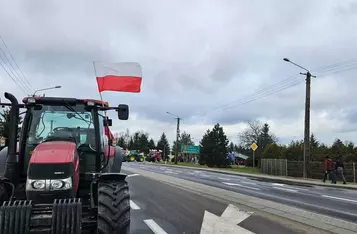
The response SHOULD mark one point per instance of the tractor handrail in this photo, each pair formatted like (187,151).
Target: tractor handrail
(9,104)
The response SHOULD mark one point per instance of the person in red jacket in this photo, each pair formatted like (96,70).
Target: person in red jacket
(328,168)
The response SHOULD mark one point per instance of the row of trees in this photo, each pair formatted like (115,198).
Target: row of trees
(215,145)
(4,123)
(141,141)
(269,147)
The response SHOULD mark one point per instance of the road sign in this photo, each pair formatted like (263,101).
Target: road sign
(254,147)
(190,149)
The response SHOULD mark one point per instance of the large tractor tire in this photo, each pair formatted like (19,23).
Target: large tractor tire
(113,207)
(140,159)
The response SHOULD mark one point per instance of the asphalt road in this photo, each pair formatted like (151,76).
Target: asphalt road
(159,208)
(338,203)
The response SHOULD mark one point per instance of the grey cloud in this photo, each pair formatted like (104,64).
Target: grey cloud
(196,56)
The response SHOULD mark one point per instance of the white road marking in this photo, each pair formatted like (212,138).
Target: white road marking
(234,214)
(277,184)
(132,175)
(239,185)
(214,224)
(178,171)
(340,198)
(286,189)
(171,172)
(251,183)
(154,226)
(222,178)
(134,206)
(204,175)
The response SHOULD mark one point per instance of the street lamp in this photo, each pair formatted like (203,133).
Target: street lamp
(54,87)
(306,154)
(177,134)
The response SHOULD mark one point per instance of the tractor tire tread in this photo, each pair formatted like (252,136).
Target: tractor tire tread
(113,207)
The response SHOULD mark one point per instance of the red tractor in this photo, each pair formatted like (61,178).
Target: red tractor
(63,175)
(154,155)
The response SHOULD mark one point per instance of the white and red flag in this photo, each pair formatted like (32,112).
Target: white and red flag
(121,77)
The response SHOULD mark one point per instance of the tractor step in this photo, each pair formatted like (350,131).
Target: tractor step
(24,217)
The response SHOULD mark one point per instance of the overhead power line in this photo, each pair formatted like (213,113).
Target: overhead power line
(14,71)
(280,86)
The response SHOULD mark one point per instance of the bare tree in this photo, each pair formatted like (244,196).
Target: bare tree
(251,134)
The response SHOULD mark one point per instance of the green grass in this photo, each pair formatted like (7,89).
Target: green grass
(235,168)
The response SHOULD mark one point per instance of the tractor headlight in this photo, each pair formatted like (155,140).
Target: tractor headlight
(42,185)
(35,184)
(39,184)
(61,184)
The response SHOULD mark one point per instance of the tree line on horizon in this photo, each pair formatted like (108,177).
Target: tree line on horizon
(215,145)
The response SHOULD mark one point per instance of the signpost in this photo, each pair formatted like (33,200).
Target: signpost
(190,149)
(254,148)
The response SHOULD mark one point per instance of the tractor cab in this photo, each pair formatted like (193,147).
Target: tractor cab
(63,159)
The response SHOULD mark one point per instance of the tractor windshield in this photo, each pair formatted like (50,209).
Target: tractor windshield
(60,123)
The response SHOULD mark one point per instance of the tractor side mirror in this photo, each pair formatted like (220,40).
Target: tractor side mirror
(123,112)
(107,122)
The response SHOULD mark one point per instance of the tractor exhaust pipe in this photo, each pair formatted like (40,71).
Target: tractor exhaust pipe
(12,172)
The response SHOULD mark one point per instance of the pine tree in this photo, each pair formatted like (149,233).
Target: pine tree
(214,147)
(163,145)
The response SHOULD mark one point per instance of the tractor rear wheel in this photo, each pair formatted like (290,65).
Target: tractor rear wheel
(113,207)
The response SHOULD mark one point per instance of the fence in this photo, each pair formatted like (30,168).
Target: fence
(278,167)
(315,170)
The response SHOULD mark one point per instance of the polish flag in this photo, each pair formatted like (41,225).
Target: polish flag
(121,77)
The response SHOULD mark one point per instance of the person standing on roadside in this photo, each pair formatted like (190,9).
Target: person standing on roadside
(340,168)
(328,168)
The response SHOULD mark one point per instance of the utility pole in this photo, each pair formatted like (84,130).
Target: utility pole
(307,156)
(177,139)
(177,135)
(306,153)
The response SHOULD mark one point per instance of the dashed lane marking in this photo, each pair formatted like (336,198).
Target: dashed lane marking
(277,184)
(134,206)
(154,226)
(222,178)
(251,183)
(340,198)
(132,175)
(239,185)
(286,189)
(171,172)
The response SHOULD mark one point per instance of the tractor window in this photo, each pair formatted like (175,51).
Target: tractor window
(53,120)
(101,130)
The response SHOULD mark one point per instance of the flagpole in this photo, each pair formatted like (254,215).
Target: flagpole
(100,93)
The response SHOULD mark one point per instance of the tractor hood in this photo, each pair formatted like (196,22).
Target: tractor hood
(54,152)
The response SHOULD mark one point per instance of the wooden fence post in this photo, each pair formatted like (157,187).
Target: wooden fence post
(354,172)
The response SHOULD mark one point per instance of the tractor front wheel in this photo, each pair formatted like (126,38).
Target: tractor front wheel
(113,207)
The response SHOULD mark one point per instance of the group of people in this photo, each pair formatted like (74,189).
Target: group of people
(334,172)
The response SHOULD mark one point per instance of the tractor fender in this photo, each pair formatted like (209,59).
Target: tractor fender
(111,177)
(3,160)
(118,160)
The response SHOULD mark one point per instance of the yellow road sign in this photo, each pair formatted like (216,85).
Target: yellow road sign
(254,146)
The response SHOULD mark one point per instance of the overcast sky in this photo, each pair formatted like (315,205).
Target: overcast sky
(206,61)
